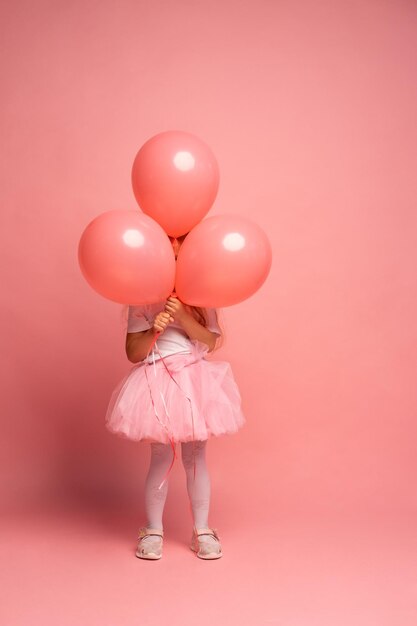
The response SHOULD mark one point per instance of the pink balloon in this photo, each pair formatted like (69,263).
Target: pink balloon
(125,256)
(222,261)
(175,179)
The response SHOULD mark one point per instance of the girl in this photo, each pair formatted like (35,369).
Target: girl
(174,394)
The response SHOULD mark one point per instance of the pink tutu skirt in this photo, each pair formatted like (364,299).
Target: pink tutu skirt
(194,400)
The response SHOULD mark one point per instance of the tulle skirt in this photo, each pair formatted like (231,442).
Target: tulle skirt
(183,398)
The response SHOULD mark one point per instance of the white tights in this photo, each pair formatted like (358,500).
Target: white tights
(198,489)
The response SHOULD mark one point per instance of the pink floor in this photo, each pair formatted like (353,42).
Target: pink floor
(77,567)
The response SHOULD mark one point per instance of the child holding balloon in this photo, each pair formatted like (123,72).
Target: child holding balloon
(174,394)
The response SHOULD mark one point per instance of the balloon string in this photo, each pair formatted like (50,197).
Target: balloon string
(189,401)
(174,456)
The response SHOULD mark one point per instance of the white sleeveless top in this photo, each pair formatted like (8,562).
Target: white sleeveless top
(174,340)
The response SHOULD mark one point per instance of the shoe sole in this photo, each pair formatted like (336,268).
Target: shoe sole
(208,557)
(149,557)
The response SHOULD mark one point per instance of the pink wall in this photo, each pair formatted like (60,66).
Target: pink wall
(310,109)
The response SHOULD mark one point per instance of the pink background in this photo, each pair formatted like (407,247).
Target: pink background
(310,108)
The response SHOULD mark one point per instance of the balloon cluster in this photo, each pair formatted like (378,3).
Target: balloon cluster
(127,256)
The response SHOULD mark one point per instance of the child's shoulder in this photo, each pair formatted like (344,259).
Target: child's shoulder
(212,320)
(145,310)
(146,307)
(140,317)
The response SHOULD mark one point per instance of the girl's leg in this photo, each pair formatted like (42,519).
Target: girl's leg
(198,489)
(161,458)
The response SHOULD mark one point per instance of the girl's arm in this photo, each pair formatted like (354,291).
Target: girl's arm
(138,344)
(194,329)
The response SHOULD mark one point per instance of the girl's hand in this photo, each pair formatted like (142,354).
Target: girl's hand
(161,321)
(176,309)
